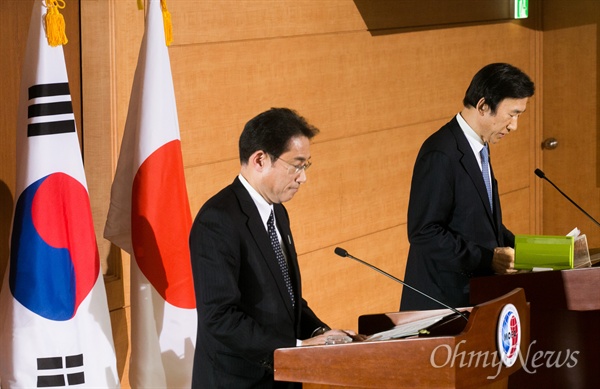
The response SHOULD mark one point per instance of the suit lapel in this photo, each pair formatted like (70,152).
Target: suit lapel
(261,238)
(471,166)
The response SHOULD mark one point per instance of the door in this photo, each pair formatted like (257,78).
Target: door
(571,153)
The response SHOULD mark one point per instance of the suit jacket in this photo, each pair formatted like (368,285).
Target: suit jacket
(451,228)
(244,309)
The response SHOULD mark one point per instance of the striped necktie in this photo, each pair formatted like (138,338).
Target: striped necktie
(485,170)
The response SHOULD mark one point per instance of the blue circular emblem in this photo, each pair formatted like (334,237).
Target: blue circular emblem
(509,335)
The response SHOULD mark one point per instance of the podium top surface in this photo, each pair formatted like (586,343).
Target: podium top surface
(466,360)
(573,289)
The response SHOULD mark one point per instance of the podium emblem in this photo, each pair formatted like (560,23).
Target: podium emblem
(509,335)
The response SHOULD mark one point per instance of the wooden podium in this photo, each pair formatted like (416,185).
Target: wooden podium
(565,325)
(424,361)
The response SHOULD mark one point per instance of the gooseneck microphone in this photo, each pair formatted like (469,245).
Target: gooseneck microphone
(541,175)
(343,253)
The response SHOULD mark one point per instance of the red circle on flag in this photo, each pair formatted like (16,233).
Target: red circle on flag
(161,223)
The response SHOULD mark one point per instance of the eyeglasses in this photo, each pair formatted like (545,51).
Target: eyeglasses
(293,169)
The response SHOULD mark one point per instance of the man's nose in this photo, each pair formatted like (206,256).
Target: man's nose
(302,177)
(512,126)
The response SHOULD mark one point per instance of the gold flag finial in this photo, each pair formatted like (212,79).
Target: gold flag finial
(55,23)
(167,22)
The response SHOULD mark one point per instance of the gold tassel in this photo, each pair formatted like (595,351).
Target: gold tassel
(140,4)
(167,22)
(55,23)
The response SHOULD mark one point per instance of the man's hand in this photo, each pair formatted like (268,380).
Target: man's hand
(503,261)
(322,339)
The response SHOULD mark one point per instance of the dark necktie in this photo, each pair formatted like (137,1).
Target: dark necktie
(280,258)
(485,170)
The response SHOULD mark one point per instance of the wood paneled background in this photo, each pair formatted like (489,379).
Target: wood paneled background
(570,115)
(376,94)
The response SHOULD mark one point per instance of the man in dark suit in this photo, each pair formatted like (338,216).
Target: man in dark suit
(246,274)
(455,225)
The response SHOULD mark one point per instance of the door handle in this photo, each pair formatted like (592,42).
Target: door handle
(550,144)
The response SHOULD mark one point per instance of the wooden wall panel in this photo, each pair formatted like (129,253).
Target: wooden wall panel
(515,212)
(341,289)
(246,20)
(109,57)
(14,23)
(392,14)
(347,84)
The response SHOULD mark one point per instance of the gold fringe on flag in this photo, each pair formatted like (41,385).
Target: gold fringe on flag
(140,5)
(167,22)
(55,23)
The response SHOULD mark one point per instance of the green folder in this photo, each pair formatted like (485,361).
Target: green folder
(543,251)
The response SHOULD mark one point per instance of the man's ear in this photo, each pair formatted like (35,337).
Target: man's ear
(259,160)
(482,106)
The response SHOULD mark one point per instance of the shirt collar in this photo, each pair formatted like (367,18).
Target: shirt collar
(474,140)
(264,208)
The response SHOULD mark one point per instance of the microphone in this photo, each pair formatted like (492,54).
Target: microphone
(343,253)
(541,175)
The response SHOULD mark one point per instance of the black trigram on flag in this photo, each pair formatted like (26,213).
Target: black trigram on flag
(60,372)
(46,103)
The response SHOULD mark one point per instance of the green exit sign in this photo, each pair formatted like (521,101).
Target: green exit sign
(521,9)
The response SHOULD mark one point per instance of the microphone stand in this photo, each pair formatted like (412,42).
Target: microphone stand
(541,174)
(343,253)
